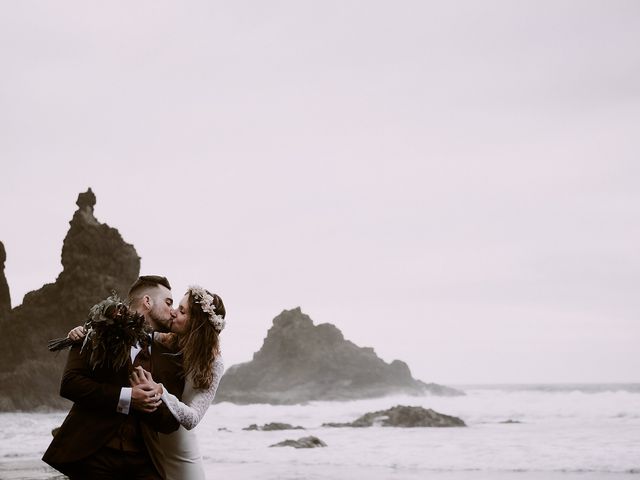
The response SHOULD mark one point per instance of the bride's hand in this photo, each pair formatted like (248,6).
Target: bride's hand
(77,333)
(140,376)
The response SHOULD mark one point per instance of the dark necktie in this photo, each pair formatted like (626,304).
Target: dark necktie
(143,358)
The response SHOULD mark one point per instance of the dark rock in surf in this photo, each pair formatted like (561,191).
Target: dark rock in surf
(268,427)
(304,442)
(403,416)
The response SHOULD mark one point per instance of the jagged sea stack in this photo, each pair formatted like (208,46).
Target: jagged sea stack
(301,362)
(95,261)
(5,297)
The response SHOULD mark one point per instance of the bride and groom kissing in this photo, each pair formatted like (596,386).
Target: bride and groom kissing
(135,421)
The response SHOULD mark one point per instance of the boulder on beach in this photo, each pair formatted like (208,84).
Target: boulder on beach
(268,427)
(403,416)
(301,362)
(304,442)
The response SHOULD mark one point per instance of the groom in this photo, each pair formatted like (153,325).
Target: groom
(102,436)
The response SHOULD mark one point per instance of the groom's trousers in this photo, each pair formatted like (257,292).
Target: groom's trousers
(108,463)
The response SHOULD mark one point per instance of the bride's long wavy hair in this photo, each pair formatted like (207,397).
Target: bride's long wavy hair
(201,343)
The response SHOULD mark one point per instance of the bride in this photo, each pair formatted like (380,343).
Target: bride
(200,317)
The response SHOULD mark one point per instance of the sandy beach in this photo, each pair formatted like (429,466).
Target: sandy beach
(37,470)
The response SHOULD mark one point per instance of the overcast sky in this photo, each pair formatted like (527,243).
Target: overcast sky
(455,184)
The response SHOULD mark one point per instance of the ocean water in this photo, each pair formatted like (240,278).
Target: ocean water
(588,431)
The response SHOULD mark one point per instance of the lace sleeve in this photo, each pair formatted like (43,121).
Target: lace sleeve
(196,400)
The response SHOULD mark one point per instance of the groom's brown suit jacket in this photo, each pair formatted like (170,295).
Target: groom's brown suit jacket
(93,419)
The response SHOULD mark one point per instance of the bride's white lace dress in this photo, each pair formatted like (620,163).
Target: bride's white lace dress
(177,454)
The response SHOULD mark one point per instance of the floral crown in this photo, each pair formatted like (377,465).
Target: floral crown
(205,300)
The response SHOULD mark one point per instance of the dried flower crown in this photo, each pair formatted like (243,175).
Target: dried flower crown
(205,300)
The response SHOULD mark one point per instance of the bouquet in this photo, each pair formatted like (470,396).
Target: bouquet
(112,329)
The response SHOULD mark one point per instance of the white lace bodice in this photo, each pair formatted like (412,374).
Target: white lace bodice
(195,401)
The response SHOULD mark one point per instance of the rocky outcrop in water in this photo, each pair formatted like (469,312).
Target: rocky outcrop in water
(269,427)
(95,261)
(5,297)
(403,416)
(301,362)
(304,442)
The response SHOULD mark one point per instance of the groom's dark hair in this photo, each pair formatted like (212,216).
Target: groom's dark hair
(146,282)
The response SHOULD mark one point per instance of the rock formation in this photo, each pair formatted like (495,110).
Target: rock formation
(304,442)
(300,362)
(5,298)
(95,261)
(402,416)
(268,427)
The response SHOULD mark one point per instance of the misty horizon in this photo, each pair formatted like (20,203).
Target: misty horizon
(454,185)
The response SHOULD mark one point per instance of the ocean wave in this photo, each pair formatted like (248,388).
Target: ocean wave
(590,388)
(570,432)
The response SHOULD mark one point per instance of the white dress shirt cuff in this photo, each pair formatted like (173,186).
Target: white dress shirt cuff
(125,400)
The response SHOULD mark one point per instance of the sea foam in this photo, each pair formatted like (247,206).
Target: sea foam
(554,430)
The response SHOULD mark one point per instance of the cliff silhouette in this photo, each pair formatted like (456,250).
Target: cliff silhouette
(298,362)
(5,297)
(95,261)
(301,362)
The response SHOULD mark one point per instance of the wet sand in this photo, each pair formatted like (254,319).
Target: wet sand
(38,470)
(28,469)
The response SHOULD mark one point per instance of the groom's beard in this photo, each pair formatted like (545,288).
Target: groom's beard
(160,323)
